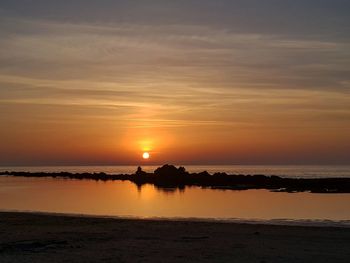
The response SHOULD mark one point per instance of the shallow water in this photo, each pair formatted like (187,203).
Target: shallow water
(301,171)
(116,198)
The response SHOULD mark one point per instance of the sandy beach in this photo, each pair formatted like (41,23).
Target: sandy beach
(30,237)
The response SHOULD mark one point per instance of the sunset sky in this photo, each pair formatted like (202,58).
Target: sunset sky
(190,81)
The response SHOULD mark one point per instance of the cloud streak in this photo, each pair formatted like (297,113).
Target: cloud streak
(226,71)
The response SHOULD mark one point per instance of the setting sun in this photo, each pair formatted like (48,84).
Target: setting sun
(171,117)
(145,155)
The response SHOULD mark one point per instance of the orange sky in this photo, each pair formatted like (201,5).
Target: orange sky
(214,87)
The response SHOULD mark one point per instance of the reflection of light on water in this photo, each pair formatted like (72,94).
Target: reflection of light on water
(147,192)
(116,198)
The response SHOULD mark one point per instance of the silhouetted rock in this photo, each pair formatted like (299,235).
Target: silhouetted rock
(220,174)
(170,170)
(204,173)
(168,176)
(139,172)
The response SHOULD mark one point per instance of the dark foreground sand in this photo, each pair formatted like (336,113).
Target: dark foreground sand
(26,237)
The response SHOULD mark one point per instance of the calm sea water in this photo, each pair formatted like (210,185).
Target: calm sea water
(125,199)
(280,170)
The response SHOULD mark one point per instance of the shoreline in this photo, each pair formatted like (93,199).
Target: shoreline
(29,237)
(249,221)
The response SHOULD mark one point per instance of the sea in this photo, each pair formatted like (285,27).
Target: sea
(293,171)
(127,200)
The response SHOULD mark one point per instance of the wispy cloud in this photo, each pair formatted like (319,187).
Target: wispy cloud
(232,72)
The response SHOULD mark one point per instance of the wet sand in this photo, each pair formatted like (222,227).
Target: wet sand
(29,237)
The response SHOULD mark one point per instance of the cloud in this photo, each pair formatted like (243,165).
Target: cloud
(221,65)
(128,53)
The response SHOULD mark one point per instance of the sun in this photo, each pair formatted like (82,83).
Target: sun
(145,155)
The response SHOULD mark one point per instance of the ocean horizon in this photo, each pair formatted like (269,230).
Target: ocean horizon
(293,171)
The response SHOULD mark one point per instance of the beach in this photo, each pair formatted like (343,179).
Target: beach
(35,237)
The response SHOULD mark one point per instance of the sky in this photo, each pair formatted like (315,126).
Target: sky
(190,82)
